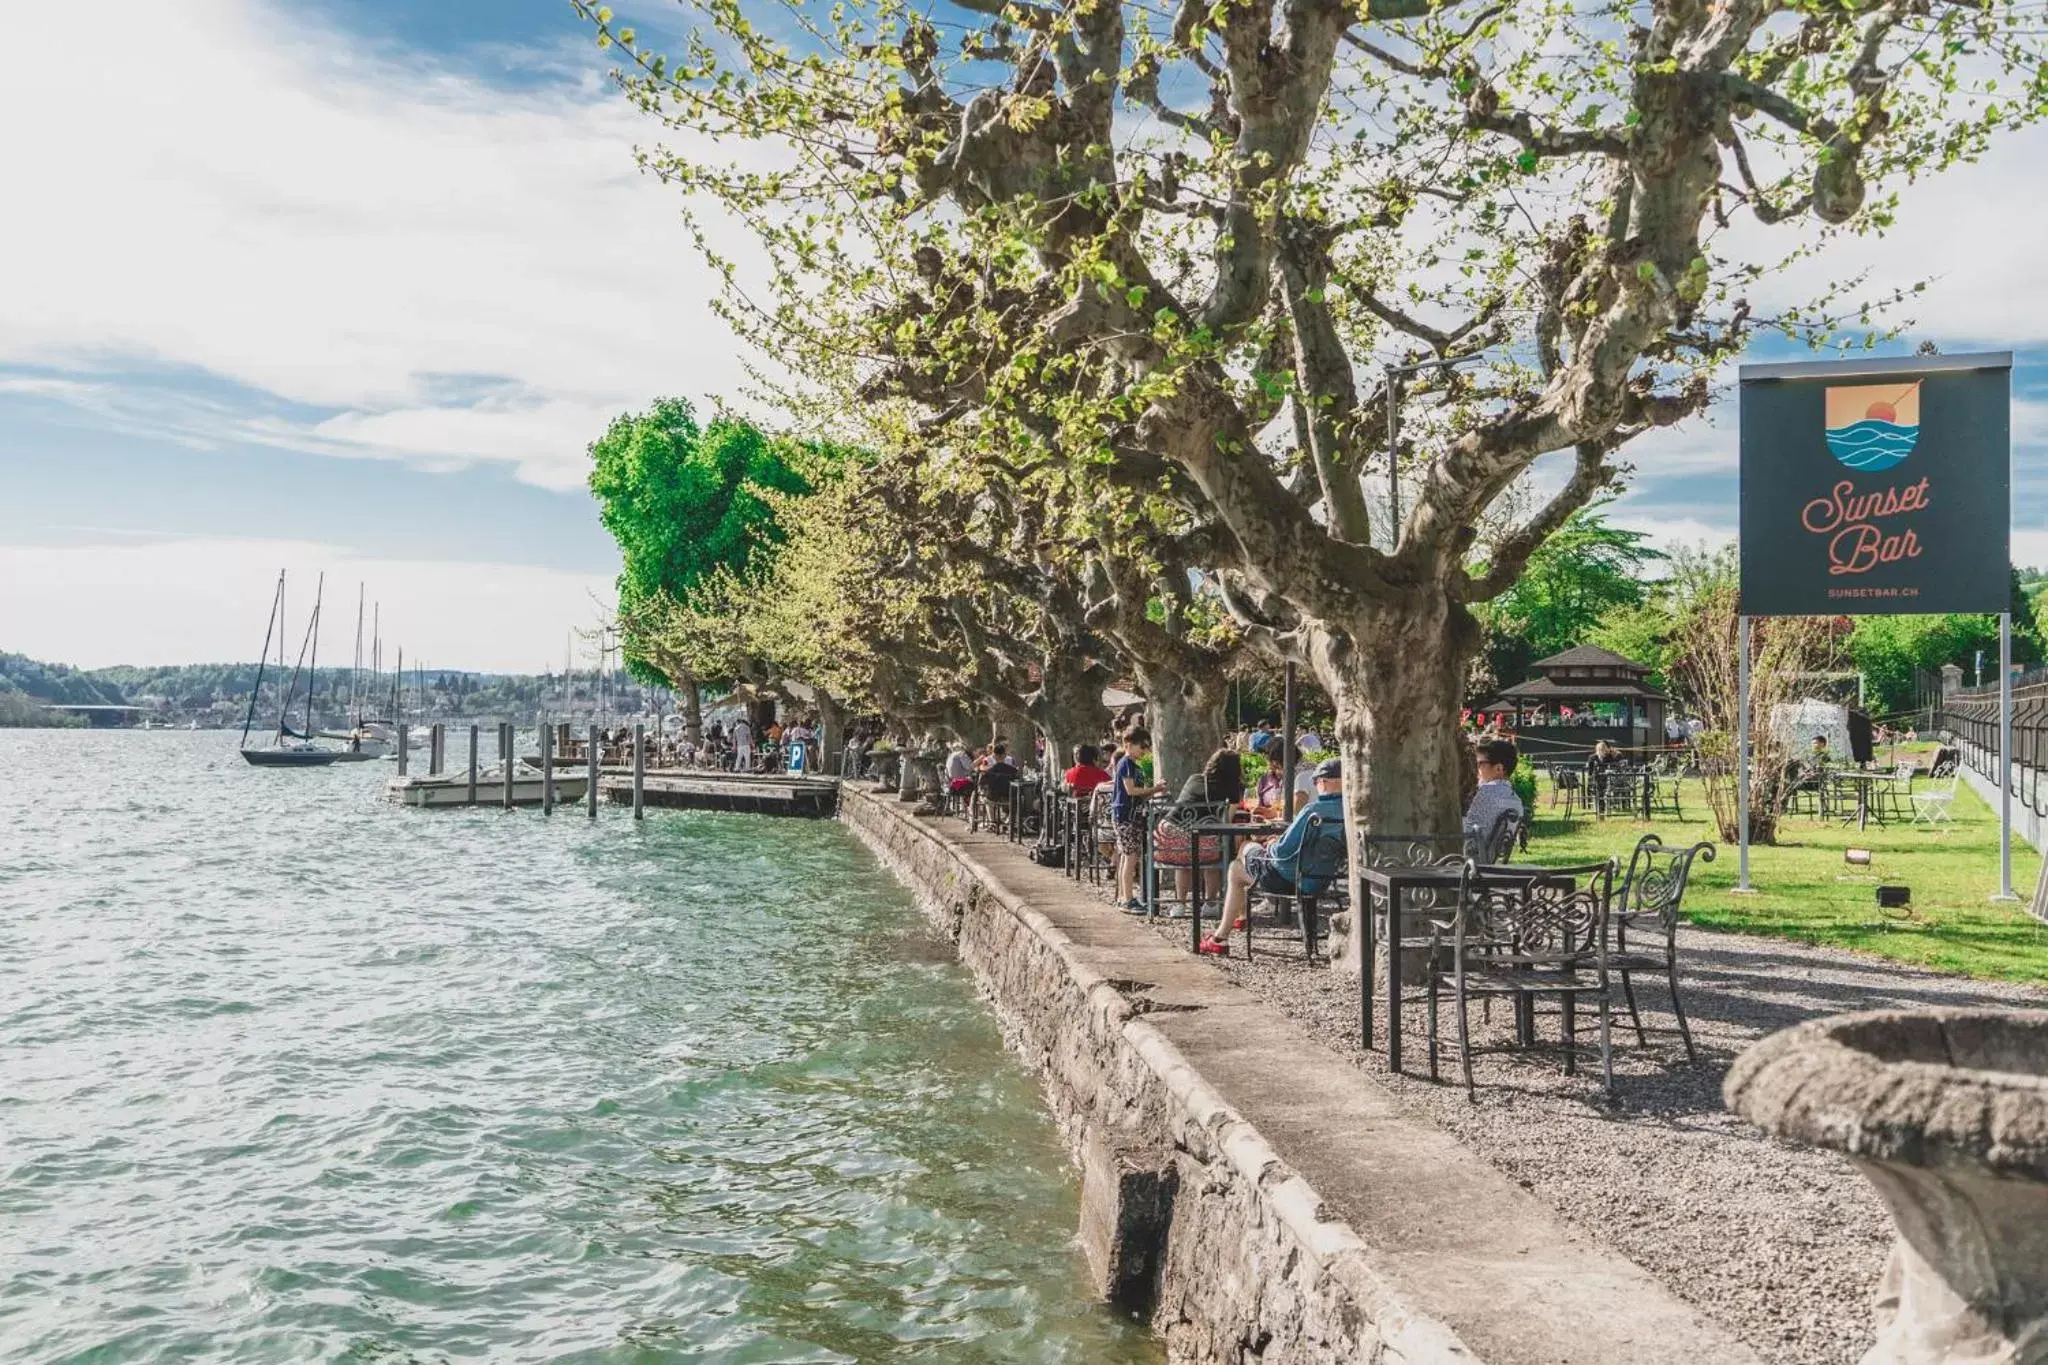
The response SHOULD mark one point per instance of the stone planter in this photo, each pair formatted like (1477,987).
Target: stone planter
(1945,1112)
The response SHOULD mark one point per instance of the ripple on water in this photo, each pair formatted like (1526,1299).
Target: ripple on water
(292,1075)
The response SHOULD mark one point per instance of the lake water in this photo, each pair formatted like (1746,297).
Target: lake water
(287,1073)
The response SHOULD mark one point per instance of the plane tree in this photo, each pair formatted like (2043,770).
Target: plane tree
(1214,251)
(684,500)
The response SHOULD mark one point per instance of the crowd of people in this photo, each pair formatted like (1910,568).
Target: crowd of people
(735,747)
(1268,863)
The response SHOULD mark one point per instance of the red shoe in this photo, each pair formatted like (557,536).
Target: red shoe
(1237,926)
(1211,946)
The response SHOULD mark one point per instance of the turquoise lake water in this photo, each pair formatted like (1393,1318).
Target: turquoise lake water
(290,1074)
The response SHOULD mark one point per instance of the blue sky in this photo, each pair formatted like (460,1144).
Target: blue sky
(348,286)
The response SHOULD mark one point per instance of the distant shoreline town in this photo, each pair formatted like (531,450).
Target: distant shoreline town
(35,694)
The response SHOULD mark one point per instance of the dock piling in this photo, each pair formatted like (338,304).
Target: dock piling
(472,765)
(508,749)
(639,772)
(404,744)
(547,769)
(590,796)
(436,748)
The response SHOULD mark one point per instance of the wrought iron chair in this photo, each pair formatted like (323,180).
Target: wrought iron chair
(1176,850)
(1497,845)
(1322,862)
(1523,938)
(1896,794)
(1647,908)
(989,803)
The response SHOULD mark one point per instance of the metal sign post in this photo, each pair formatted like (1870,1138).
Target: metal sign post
(1742,756)
(2005,758)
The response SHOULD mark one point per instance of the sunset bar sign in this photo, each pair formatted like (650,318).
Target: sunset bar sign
(1877,487)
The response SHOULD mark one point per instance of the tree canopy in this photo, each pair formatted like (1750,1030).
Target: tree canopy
(1208,256)
(682,501)
(1588,571)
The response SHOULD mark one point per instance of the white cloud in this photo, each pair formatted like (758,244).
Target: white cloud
(231,193)
(185,600)
(1965,232)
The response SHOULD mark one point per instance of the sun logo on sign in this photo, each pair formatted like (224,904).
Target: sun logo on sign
(1873,427)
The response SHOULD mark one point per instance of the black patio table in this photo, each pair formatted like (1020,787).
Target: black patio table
(1394,882)
(1230,834)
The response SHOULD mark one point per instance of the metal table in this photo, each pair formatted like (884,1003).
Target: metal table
(1863,781)
(1393,883)
(1230,833)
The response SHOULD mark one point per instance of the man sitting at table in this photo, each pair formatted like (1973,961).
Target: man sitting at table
(1275,867)
(1494,797)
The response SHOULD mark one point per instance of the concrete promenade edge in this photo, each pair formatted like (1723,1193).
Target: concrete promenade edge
(1254,1193)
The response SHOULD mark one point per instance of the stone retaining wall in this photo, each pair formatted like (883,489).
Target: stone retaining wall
(1188,1213)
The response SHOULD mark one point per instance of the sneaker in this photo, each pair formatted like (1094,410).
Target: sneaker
(1132,907)
(1237,925)
(1212,947)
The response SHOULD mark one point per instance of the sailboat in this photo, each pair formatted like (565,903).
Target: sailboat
(301,752)
(363,742)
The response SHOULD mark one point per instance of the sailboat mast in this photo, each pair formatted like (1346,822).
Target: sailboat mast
(313,674)
(284,711)
(263,659)
(355,677)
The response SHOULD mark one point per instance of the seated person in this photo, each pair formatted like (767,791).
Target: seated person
(1221,782)
(1494,797)
(959,769)
(1276,867)
(1087,773)
(1271,792)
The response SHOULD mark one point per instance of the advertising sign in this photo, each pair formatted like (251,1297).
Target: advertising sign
(1877,487)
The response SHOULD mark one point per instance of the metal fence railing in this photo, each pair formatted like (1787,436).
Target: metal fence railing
(1970,721)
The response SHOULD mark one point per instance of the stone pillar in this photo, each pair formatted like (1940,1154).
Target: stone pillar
(1951,679)
(1945,1112)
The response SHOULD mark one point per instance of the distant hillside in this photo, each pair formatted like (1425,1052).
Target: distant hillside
(56,682)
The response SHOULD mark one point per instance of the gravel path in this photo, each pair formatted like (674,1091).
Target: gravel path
(1780,1244)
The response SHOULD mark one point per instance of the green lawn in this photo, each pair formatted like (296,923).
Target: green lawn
(1805,891)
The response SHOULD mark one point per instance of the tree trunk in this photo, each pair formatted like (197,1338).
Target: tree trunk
(831,731)
(1187,722)
(690,701)
(1396,683)
(1068,712)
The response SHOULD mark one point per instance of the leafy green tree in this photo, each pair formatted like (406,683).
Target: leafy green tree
(1587,570)
(683,500)
(1891,651)
(1176,246)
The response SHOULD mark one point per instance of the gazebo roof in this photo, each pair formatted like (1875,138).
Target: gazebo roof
(1594,689)
(1590,656)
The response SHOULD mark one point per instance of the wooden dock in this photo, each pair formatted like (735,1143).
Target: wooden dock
(755,794)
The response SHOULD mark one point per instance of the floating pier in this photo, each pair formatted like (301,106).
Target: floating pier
(763,794)
(549,781)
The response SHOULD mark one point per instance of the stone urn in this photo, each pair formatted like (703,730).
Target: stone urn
(1945,1112)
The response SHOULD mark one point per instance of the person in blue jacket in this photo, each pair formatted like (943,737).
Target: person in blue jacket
(1276,866)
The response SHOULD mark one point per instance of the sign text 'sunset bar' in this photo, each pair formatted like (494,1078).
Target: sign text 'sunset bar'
(1874,487)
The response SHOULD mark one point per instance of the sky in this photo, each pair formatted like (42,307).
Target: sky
(348,286)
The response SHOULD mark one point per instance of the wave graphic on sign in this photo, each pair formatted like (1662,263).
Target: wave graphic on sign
(1871,444)
(1873,427)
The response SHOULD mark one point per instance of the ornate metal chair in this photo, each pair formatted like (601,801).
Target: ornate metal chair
(1645,923)
(1322,861)
(1525,938)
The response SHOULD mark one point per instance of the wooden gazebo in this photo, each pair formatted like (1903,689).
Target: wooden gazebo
(1579,697)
